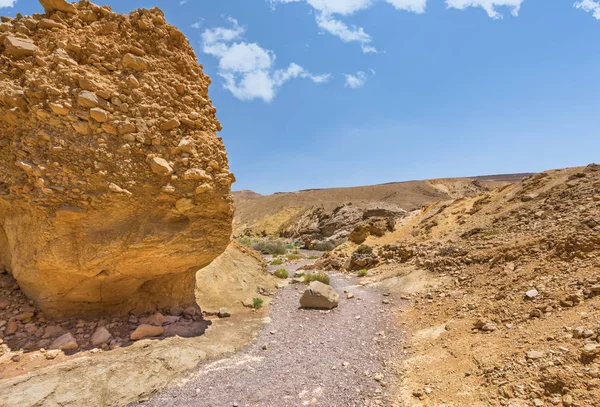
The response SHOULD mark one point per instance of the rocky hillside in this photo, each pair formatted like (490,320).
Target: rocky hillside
(115,188)
(507,309)
(309,215)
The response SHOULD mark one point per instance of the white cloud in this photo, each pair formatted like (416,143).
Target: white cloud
(248,69)
(198,23)
(356,81)
(327,9)
(488,5)
(416,6)
(7,3)
(347,34)
(590,6)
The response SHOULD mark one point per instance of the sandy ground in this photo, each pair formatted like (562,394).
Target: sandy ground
(303,357)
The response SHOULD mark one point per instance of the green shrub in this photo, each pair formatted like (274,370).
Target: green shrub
(313,257)
(269,247)
(281,273)
(290,246)
(292,256)
(245,240)
(323,246)
(322,277)
(364,249)
(363,272)
(277,262)
(257,303)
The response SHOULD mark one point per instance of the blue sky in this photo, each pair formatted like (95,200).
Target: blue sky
(326,93)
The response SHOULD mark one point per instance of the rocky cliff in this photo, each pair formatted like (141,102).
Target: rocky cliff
(115,188)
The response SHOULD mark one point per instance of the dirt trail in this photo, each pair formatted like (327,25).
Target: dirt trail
(333,358)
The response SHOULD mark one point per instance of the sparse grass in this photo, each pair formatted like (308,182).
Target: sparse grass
(257,303)
(290,246)
(281,273)
(293,256)
(299,275)
(245,240)
(269,246)
(323,246)
(362,272)
(313,257)
(276,262)
(322,277)
(364,249)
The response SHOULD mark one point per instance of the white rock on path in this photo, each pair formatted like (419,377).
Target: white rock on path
(319,296)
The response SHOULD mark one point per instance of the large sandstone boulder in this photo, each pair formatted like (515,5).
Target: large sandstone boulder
(114,188)
(319,296)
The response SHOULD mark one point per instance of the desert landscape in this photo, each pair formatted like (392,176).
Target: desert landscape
(132,275)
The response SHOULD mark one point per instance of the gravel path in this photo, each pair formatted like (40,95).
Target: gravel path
(312,358)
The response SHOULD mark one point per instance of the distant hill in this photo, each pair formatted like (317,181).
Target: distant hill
(266,214)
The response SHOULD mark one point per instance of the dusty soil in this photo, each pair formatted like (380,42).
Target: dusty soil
(503,293)
(341,357)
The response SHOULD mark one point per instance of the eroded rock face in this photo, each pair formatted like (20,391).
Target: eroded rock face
(102,115)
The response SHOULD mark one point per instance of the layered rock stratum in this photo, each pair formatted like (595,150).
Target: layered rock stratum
(115,188)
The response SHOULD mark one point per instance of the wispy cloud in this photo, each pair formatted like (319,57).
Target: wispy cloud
(347,34)
(7,3)
(590,6)
(248,69)
(328,12)
(198,23)
(488,5)
(356,81)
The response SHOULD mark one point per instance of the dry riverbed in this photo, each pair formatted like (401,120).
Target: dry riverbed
(341,357)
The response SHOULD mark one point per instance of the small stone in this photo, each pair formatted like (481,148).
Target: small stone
(146,331)
(11,327)
(81,127)
(534,354)
(160,166)
(135,63)
(489,327)
(18,48)
(65,342)
(175,311)
(265,347)
(58,5)
(196,174)
(25,316)
(52,354)
(531,294)
(170,125)
(102,335)
(127,128)
(52,331)
(224,313)
(98,114)
(59,109)
(591,350)
(350,296)
(87,99)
